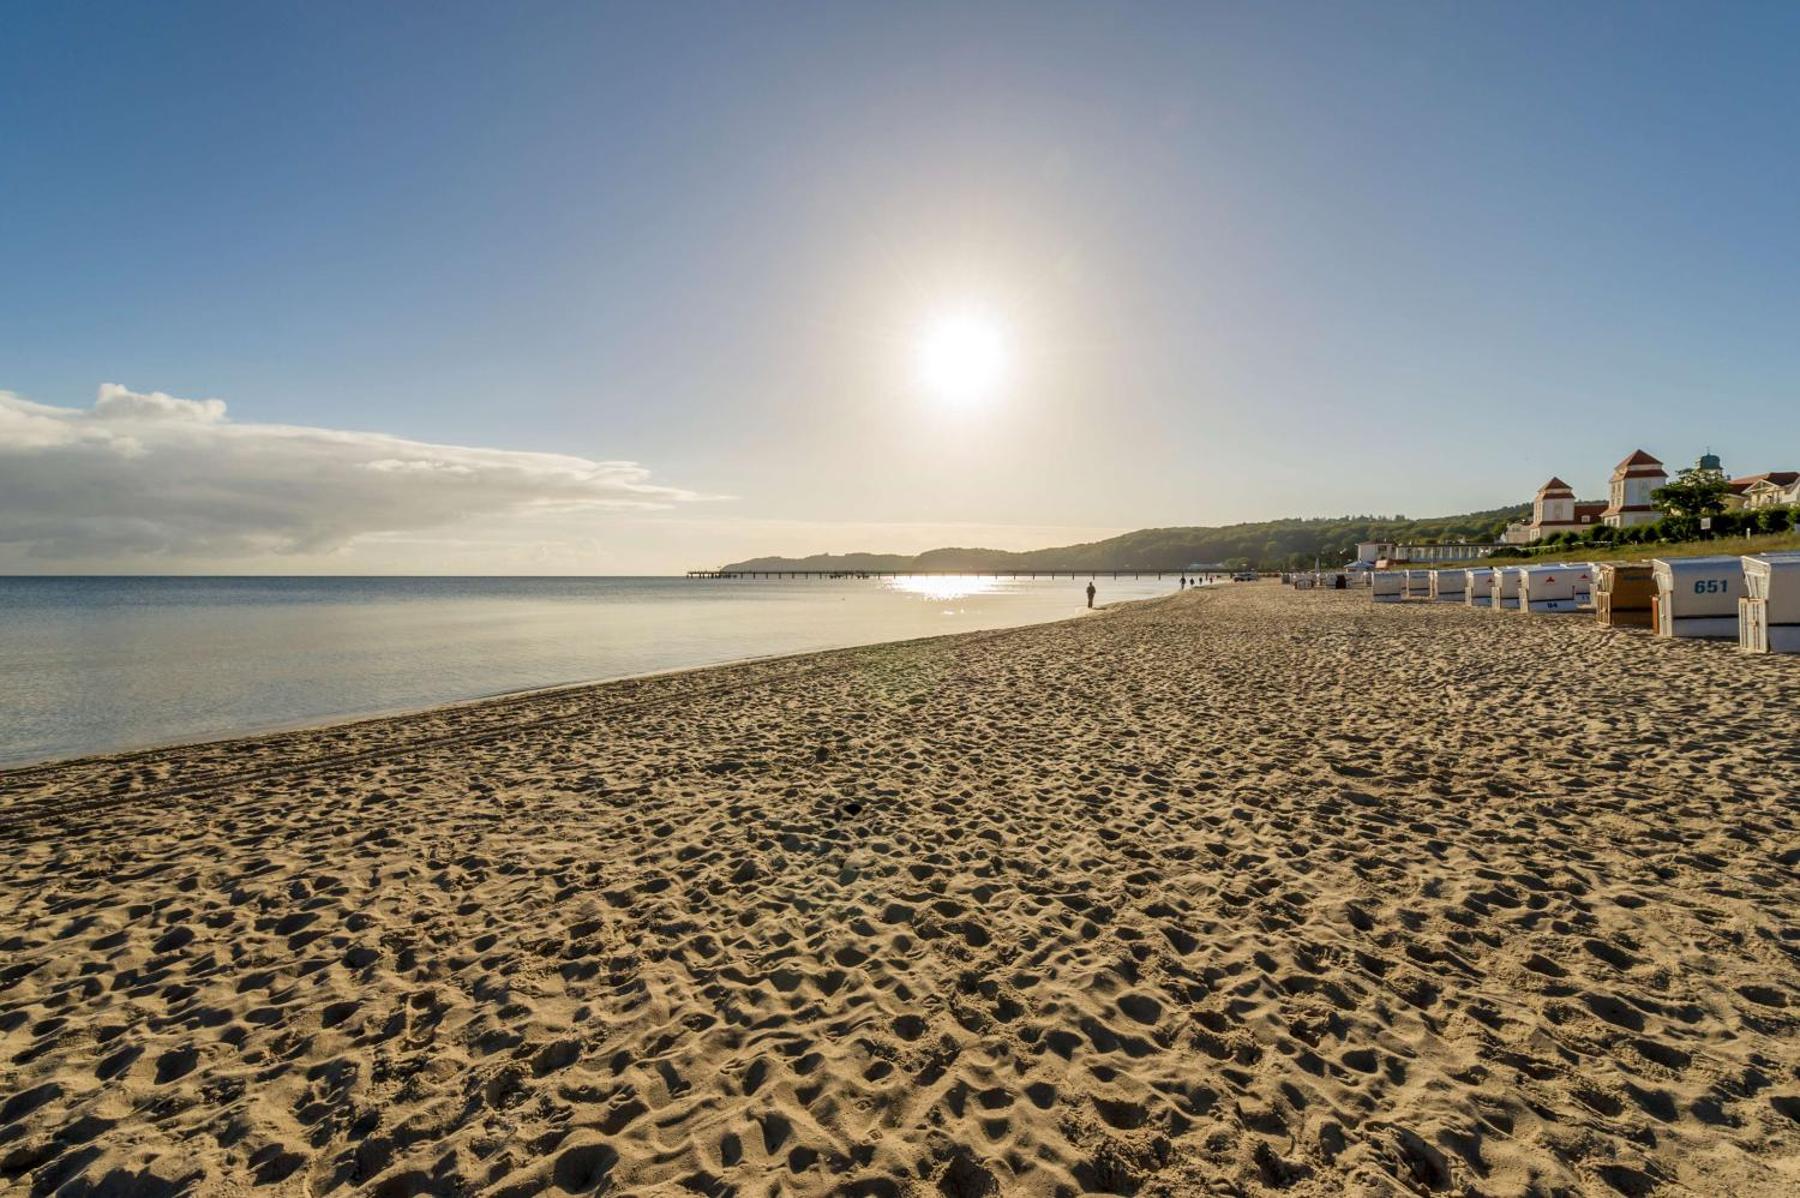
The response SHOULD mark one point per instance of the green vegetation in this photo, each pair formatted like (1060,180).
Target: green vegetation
(1295,543)
(1767,530)
(1269,545)
(1696,491)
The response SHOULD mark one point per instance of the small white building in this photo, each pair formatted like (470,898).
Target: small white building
(1777,488)
(1384,554)
(1554,509)
(1628,491)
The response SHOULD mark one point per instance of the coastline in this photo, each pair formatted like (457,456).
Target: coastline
(258,732)
(277,736)
(1252,890)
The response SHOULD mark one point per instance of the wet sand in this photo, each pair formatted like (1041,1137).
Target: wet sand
(1243,891)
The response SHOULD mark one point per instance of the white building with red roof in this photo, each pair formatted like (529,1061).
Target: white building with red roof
(1628,498)
(1554,509)
(1772,488)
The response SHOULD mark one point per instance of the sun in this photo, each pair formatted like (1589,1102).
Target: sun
(962,358)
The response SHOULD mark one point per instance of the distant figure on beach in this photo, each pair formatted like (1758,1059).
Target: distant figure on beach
(1184,582)
(1090,594)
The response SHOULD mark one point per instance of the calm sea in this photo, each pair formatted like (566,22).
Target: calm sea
(92,665)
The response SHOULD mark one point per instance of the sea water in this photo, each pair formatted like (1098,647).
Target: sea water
(91,665)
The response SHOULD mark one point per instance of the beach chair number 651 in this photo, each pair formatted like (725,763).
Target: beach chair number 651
(1709,586)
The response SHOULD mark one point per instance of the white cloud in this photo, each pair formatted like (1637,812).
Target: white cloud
(120,403)
(146,477)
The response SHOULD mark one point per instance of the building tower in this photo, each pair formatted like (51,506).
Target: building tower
(1628,494)
(1553,508)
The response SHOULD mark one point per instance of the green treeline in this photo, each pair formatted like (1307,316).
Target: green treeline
(1268,545)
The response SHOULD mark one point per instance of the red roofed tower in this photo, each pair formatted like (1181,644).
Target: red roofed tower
(1553,508)
(1628,498)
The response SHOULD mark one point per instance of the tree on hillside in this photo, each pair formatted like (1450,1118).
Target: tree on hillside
(1697,491)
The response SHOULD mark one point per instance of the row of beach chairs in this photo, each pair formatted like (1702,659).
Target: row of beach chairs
(1754,600)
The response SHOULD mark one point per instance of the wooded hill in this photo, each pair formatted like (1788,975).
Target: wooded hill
(1269,545)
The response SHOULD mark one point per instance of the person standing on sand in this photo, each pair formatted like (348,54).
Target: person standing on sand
(1090,594)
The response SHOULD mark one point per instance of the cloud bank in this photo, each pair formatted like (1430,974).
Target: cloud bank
(151,476)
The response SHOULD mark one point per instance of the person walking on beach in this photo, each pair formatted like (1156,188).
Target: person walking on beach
(1090,594)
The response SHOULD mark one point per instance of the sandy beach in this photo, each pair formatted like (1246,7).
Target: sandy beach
(1243,891)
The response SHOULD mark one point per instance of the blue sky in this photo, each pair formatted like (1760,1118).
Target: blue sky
(1250,261)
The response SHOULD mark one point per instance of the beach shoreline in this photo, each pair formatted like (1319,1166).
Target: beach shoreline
(257,732)
(260,736)
(1247,890)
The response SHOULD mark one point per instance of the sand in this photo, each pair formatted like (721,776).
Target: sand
(1244,891)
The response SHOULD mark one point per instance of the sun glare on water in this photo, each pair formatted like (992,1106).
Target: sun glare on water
(962,358)
(943,587)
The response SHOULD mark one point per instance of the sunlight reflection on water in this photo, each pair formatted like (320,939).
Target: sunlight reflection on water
(89,664)
(946,587)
